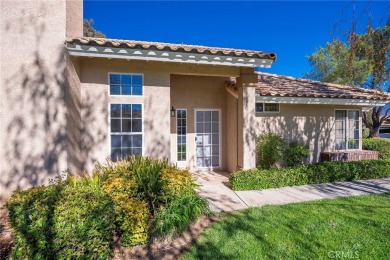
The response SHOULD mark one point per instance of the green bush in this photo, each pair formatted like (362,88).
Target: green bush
(269,150)
(365,132)
(144,190)
(175,182)
(310,174)
(382,145)
(83,222)
(295,153)
(179,213)
(132,219)
(31,217)
(144,171)
(76,218)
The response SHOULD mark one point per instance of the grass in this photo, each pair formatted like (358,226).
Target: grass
(353,227)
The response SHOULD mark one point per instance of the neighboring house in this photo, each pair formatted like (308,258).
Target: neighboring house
(71,106)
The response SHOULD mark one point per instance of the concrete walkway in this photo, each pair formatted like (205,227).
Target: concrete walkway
(215,188)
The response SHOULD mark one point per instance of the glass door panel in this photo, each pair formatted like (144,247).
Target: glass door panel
(207,138)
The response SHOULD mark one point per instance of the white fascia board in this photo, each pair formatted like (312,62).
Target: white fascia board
(165,56)
(321,101)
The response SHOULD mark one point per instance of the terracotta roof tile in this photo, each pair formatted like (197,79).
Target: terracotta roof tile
(171,47)
(283,86)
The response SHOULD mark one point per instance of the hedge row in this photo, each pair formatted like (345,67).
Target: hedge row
(381,145)
(310,174)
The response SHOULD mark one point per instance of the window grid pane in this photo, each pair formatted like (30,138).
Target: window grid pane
(126,139)
(181,127)
(124,84)
(347,129)
(267,107)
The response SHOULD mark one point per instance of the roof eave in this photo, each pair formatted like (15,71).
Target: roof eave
(76,49)
(322,101)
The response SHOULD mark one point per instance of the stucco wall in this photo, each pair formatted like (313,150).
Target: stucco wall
(311,124)
(33,91)
(95,101)
(196,92)
(231,133)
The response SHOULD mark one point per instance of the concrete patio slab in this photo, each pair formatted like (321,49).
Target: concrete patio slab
(214,187)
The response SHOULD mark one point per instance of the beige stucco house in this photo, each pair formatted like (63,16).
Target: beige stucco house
(69,102)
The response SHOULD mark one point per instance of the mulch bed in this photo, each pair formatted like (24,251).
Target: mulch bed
(5,234)
(168,249)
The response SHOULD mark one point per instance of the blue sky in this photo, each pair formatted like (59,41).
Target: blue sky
(292,29)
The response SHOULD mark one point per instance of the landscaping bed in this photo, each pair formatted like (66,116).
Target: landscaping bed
(353,227)
(323,172)
(133,202)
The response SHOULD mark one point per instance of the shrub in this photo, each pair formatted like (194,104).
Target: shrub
(178,214)
(119,188)
(83,222)
(131,213)
(269,150)
(76,218)
(31,217)
(381,145)
(175,182)
(295,153)
(132,218)
(144,171)
(310,174)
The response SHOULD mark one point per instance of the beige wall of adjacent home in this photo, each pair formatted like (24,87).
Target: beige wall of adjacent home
(33,106)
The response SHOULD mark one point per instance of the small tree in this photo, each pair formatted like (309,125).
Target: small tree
(89,31)
(363,61)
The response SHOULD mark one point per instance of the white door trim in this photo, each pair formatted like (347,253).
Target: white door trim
(219,136)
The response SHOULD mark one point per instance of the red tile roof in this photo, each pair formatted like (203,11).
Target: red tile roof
(283,86)
(171,47)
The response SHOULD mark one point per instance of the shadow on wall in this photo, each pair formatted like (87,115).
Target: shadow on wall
(157,130)
(35,133)
(313,131)
(36,116)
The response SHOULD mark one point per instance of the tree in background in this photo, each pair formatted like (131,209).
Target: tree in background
(361,61)
(89,31)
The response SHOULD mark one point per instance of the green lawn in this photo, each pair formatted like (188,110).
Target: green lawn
(354,227)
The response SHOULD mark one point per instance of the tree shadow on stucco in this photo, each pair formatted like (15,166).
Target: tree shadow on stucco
(43,107)
(313,131)
(157,133)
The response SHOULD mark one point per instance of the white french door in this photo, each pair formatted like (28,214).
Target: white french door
(207,138)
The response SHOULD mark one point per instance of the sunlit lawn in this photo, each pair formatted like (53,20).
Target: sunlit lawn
(354,227)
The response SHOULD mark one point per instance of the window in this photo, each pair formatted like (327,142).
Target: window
(347,129)
(181,115)
(125,130)
(125,84)
(266,107)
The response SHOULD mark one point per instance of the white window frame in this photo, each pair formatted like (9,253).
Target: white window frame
(264,112)
(177,144)
(220,137)
(347,130)
(125,133)
(129,74)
